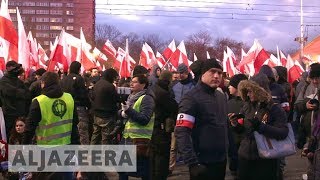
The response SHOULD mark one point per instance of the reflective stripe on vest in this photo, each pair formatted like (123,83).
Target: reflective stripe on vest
(55,127)
(135,130)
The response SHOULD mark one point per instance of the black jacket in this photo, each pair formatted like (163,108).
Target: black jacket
(53,91)
(209,108)
(105,99)
(75,85)
(35,89)
(15,99)
(165,107)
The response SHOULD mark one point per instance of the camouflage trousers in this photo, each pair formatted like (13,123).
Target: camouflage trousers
(102,127)
(83,125)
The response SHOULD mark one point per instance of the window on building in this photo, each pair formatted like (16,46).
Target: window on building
(69,28)
(55,19)
(56,12)
(33,19)
(69,12)
(12,11)
(11,3)
(42,35)
(14,18)
(69,4)
(28,11)
(42,19)
(56,4)
(41,11)
(43,4)
(55,27)
(28,4)
(54,35)
(70,20)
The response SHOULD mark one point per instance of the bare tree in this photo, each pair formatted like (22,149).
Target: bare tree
(104,32)
(135,45)
(222,43)
(154,41)
(198,43)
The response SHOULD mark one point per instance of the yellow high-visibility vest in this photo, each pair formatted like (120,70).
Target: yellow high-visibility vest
(135,130)
(55,126)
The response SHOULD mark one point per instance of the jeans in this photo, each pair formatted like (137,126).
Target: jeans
(102,127)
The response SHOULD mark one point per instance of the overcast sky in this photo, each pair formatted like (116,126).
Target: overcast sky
(272,22)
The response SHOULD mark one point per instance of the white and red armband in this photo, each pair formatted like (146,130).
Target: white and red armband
(185,120)
(285,106)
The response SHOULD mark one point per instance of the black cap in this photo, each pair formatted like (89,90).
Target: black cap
(12,65)
(208,64)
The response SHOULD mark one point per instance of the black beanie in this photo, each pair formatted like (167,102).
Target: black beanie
(235,80)
(208,64)
(314,70)
(139,70)
(75,67)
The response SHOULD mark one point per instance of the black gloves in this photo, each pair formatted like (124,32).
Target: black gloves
(197,170)
(255,123)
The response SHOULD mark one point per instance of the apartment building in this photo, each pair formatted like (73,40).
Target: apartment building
(46,18)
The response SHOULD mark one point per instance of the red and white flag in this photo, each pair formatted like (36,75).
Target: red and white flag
(283,59)
(60,55)
(144,57)
(169,50)
(23,45)
(227,63)
(180,56)
(100,58)
(160,60)
(8,35)
(33,46)
(42,56)
(152,57)
(125,70)
(120,57)
(294,69)
(87,59)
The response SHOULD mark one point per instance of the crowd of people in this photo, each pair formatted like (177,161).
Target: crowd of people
(196,114)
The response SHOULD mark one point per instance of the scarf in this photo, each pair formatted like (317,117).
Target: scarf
(134,97)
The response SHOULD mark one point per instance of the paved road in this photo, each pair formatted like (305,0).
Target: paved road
(296,166)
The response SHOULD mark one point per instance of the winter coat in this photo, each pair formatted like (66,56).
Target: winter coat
(182,87)
(105,99)
(75,85)
(264,108)
(165,107)
(34,117)
(15,99)
(35,89)
(234,106)
(208,108)
(153,79)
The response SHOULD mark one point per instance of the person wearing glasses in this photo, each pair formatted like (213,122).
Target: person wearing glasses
(202,125)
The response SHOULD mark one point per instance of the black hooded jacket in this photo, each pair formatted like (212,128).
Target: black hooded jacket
(53,91)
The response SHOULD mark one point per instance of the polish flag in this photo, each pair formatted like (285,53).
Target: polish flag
(294,69)
(169,50)
(23,45)
(125,70)
(208,55)
(109,50)
(42,56)
(247,58)
(8,35)
(144,57)
(246,68)
(261,55)
(100,58)
(283,59)
(60,55)
(87,59)
(195,58)
(2,61)
(53,46)
(227,62)
(152,57)
(34,59)
(272,61)
(121,54)
(180,56)
(160,60)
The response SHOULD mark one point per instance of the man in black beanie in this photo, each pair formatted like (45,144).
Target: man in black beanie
(35,87)
(203,114)
(74,84)
(14,95)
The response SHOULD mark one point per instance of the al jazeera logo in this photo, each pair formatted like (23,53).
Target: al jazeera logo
(59,108)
